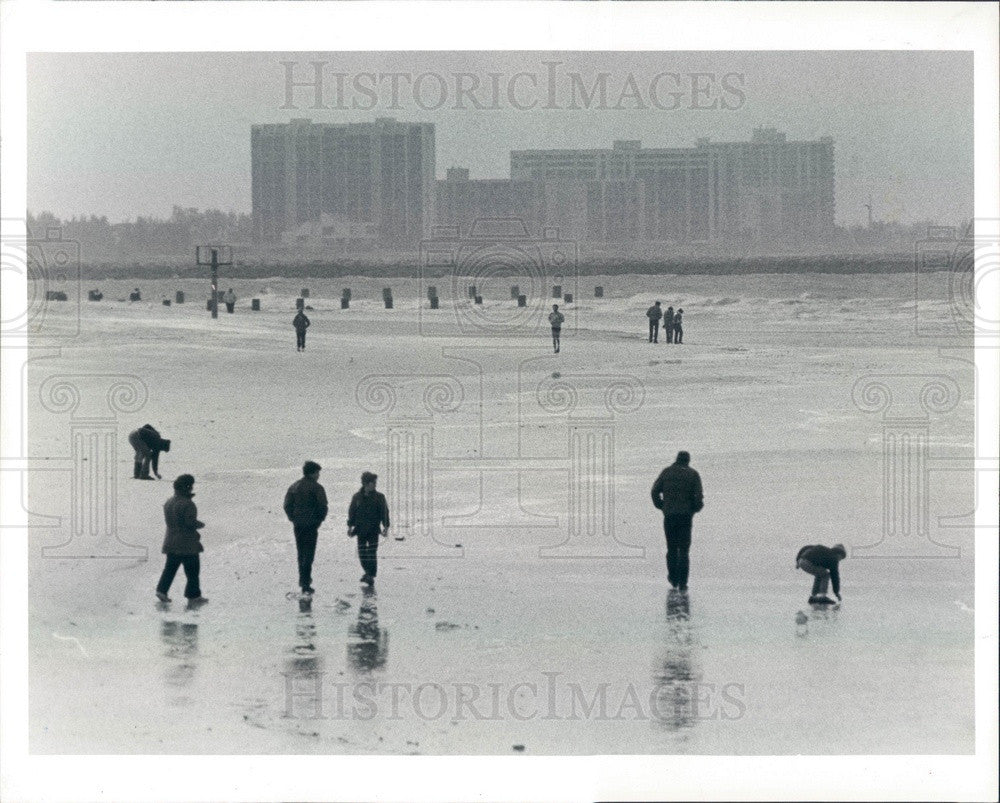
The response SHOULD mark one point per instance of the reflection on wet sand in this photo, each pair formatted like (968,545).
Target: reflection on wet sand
(367,643)
(304,662)
(181,642)
(675,678)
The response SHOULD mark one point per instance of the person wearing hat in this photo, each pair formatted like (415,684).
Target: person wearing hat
(678,493)
(823,563)
(654,313)
(367,519)
(306,508)
(182,543)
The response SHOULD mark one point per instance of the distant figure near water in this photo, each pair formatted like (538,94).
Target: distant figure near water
(668,324)
(654,313)
(678,493)
(306,507)
(230,299)
(301,323)
(678,328)
(823,564)
(556,319)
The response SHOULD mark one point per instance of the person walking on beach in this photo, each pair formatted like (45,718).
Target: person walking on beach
(678,493)
(182,543)
(678,327)
(148,444)
(556,319)
(306,508)
(823,563)
(654,313)
(301,323)
(367,519)
(668,324)
(230,299)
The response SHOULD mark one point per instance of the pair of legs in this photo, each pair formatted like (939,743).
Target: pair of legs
(192,568)
(668,330)
(821,575)
(300,339)
(654,331)
(230,307)
(555,339)
(143,457)
(678,334)
(368,554)
(677,528)
(305,546)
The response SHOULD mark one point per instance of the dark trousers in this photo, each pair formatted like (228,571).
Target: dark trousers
(555,338)
(143,456)
(821,573)
(305,546)
(368,553)
(654,331)
(230,307)
(678,531)
(300,338)
(668,330)
(678,334)
(192,567)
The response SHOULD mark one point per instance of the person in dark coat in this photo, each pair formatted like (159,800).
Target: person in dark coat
(654,313)
(148,444)
(668,324)
(678,493)
(823,563)
(306,507)
(182,543)
(367,519)
(678,327)
(301,323)
(230,300)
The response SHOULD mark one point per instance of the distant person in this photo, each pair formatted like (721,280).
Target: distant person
(301,323)
(148,443)
(556,319)
(135,295)
(230,300)
(668,324)
(678,327)
(367,519)
(654,313)
(182,543)
(306,508)
(823,564)
(678,493)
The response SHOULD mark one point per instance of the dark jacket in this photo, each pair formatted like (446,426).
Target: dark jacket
(182,536)
(820,555)
(300,321)
(677,320)
(654,313)
(152,439)
(668,317)
(677,491)
(367,512)
(305,503)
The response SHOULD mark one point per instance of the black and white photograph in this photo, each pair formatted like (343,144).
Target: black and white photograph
(623,403)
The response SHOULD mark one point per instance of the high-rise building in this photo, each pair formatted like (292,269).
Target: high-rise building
(379,173)
(766,192)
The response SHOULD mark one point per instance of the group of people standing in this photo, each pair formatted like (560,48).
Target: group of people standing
(673,327)
(305,506)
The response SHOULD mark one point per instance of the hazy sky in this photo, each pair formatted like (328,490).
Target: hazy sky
(133,134)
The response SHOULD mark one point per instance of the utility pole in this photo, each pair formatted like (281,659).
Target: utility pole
(210,255)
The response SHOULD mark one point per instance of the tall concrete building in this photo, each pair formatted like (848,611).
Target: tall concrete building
(767,192)
(379,173)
